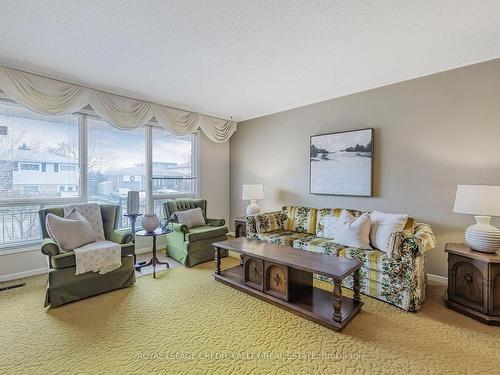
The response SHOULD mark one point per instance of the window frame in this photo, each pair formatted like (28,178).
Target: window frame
(151,198)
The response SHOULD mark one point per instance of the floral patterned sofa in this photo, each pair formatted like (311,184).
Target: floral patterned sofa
(396,276)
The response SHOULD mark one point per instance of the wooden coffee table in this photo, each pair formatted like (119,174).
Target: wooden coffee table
(283,276)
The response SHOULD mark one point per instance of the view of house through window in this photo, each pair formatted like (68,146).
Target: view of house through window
(40,166)
(38,163)
(174,167)
(116,164)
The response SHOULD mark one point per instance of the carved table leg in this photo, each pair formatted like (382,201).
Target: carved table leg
(337,301)
(356,286)
(241,259)
(217,261)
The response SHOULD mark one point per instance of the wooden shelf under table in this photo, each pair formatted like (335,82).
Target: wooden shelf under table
(314,304)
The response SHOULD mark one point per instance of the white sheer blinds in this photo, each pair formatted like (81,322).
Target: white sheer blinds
(48,96)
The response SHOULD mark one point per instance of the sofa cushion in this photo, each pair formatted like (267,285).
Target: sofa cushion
(300,219)
(325,212)
(70,231)
(370,259)
(383,225)
(281,237)
(191,218)
(91,212)
(205,232)
(348,230)
(269,222)
(65,260)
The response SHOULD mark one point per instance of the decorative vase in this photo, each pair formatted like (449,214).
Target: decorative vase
(150,222)
(133,201)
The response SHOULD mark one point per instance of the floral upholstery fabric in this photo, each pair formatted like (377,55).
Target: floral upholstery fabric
(280,237)
(381,276)
(269,222)
(300,219)
(397,277)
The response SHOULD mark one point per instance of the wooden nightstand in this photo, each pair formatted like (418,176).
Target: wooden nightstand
(473,283)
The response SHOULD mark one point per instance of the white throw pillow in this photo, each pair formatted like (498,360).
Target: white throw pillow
(350,231)
(91,212)
(329,223)
(191,218)
(383,225)
(70,231)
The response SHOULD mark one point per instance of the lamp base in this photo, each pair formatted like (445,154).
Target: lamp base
(483,236)
(253,208)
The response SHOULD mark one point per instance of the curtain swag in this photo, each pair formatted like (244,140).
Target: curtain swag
(53,97)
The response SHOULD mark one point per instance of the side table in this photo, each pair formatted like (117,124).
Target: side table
(473,283)
(154,260)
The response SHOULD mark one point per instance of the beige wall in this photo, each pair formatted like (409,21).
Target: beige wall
(214,186)
(431,134)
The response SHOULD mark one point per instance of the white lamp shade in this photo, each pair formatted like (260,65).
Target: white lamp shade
(252,192)
(478,200)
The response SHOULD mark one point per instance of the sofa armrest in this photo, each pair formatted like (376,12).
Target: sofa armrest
(411,242)
(120,236)
(180,228)
(49,247)
(267,222)
(215,222)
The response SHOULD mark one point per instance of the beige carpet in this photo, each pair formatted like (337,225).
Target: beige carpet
(186,322)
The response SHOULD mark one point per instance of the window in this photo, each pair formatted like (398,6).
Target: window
(29,167)
(174,167)
(68,167)
(28,142)
(116,164)
(40,166)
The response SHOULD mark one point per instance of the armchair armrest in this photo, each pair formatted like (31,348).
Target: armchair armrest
(412,243)
(120,236)
(215,222)
(180,228)
(49,247)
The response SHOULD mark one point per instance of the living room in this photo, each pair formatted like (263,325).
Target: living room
(244,186)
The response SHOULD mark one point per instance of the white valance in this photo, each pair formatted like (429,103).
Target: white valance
(53,97)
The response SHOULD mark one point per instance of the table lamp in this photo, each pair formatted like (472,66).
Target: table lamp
(483,202)
(252,193)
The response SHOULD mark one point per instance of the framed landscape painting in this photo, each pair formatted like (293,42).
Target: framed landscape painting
(342,163)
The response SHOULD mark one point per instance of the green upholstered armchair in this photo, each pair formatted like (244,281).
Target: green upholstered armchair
(63,285)
(193,246)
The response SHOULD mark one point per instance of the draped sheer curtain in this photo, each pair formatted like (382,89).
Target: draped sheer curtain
(53,97)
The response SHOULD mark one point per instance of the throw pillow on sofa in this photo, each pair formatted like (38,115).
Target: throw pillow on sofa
(383,225)
(269,222)
(191,218)
(70,231)
(348,230)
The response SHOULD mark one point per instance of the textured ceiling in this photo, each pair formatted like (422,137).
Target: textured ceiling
(244,58)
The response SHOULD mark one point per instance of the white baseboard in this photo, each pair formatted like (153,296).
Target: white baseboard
(437,279)
(21,275)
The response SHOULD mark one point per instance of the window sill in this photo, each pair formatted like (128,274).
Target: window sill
(25,248)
